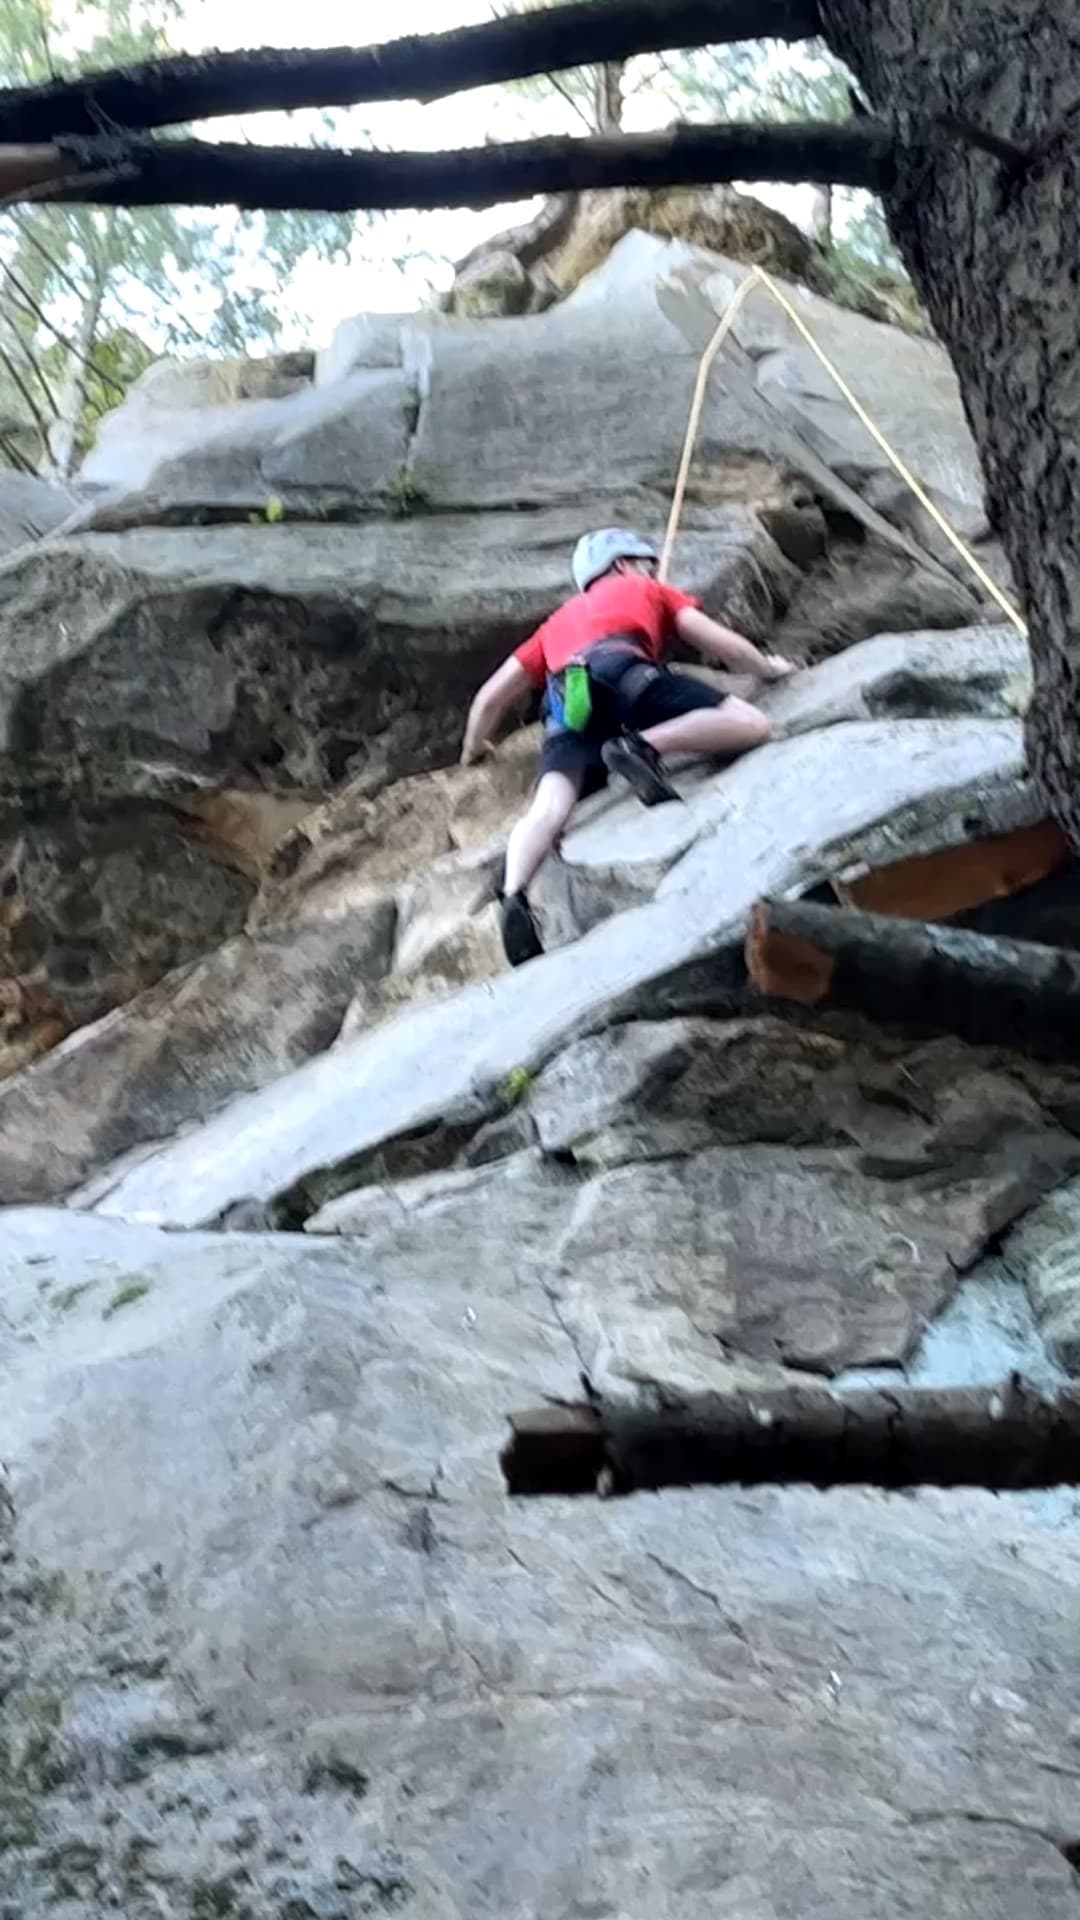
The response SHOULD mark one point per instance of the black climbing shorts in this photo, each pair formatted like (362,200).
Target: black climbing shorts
(667,697)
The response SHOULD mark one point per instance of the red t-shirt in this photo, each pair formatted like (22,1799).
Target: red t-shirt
(629,604)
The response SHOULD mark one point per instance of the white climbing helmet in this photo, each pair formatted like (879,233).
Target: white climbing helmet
(596,553)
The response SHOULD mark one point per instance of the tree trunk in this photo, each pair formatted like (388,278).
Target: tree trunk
(995,255)
(1001,1437)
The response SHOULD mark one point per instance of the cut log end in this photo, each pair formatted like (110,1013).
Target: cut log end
(784,967)
(553,1450)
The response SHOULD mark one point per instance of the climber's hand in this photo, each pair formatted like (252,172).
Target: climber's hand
(778,667)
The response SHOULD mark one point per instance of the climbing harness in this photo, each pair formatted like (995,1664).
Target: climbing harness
(757,277)
(616,669)
(577,697)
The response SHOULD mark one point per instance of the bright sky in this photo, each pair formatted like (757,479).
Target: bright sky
(400,258)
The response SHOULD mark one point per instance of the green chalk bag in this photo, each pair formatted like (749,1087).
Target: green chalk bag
(577,698)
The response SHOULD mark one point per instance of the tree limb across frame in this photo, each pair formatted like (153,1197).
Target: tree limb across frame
(910,973)
(1005,1437)
(142,172)
(159,93)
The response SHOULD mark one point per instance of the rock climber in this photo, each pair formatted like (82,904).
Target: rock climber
(612,705)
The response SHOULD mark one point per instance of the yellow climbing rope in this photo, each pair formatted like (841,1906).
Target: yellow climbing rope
(759,278)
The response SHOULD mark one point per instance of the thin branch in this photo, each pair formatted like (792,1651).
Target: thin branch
(12,454)
(15,339)
(204,173)
(25,300)
(563,90)
(32,407)
(159,93)
(25,226)
(26,229)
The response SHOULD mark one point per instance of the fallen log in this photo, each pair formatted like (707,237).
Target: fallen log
(1009,1437)
(904,972)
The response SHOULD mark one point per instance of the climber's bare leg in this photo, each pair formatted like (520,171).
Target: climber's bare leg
(721,731)
(539,830)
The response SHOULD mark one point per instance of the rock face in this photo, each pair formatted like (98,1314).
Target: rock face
(275,1641)
(29,508)
(293,573)
(373,903)
(331,1191)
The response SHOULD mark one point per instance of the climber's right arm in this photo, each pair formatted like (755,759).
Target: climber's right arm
(507,685)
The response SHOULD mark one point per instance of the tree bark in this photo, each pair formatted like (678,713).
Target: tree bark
(160,93)
(941,979)
(139,173)
(994,250)
(999,1437)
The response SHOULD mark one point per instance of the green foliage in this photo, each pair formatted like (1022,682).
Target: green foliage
(515,1087)
(403,496)
(85,291)
(755,81)
(126,1297)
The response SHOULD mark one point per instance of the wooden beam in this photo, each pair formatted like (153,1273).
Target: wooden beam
(940,979)
(159,93)
(141,172)
(1005,1437)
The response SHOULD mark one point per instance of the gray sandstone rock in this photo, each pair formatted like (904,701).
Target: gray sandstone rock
(30,508)
(251,1010)
(708,1194)
(724,850)
(273,1634)
(273,1642)
(1044,1252)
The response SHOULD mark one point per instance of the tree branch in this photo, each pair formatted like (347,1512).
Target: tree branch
(204,173)
(159,93)
(934,978)
(25,301)
(37,420)
(1002,1437)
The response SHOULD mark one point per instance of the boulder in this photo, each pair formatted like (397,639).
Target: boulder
(430,412)
(273,1641)
(496,284)
(177,406)
(274,1638)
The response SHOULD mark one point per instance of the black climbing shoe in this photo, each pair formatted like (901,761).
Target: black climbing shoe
(520,938)
(641,766)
